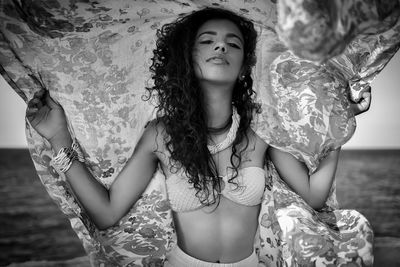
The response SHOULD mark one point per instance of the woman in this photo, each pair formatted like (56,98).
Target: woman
(212,160)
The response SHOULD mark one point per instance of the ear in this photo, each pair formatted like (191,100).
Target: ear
(242,73)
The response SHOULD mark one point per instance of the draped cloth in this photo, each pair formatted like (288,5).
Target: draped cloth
(94,56)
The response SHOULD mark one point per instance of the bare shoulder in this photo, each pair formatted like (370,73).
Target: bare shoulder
(260,144)
(153,136)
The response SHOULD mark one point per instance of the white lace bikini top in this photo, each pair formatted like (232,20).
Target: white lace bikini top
(248,190)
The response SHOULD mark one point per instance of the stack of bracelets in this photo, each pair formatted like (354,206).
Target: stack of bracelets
(64,158)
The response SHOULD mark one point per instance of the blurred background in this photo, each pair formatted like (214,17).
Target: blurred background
(34,232)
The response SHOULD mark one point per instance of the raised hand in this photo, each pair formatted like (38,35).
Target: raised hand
(48,118)
(363,103)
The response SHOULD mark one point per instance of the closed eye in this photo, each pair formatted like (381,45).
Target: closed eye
(234,45)
(206,42)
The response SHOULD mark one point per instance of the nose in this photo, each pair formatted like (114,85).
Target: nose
(221,47)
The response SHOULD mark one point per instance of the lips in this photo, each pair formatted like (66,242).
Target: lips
(218,60)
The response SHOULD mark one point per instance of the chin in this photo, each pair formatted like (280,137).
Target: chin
(217,75)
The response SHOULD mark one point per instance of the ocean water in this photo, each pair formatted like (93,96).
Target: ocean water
(31,225)
(369,181)
(33,229)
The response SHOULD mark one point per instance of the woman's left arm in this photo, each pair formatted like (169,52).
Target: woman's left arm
(314,189)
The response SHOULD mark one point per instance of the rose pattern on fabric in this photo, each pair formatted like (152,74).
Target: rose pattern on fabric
(330,237)
(94,57)
(321,31)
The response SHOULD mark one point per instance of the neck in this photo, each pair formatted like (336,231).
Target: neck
(218,105)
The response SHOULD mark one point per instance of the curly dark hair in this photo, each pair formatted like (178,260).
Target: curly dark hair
(179,99)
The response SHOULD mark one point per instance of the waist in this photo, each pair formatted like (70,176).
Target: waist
(178,258)
(209,234)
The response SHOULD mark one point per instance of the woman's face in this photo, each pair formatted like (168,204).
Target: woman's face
(218,52)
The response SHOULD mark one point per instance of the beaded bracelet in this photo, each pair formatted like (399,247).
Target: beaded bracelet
(64,158)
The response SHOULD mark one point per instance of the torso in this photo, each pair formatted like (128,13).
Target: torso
(224,232)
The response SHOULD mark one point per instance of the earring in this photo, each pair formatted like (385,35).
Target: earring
(242,77)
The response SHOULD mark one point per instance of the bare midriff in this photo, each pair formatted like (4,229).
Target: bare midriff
(224,234)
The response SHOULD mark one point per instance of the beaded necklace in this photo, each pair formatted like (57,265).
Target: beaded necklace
(230,137)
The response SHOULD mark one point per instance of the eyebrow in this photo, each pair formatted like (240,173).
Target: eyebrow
(215,33)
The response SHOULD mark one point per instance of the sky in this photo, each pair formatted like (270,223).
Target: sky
(379,128)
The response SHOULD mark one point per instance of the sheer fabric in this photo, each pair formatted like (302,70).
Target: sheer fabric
(93,57)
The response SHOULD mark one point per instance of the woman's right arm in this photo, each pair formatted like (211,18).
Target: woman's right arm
(105,207)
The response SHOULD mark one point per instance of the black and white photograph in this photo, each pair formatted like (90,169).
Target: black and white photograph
(212,133)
